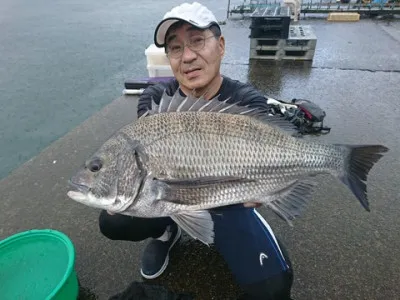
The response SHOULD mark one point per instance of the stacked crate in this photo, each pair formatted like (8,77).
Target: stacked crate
(273,38)
(270,22)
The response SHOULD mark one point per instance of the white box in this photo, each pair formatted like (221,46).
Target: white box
(160,71)
(156,56)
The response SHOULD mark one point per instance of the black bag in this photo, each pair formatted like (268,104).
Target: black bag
(306,115)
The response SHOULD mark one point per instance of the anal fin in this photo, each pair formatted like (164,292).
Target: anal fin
(292,200)
(197,224)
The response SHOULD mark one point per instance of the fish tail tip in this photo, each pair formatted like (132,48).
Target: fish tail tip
(359,162)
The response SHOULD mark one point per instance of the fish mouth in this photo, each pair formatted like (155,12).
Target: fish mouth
(81,188)
(80,192)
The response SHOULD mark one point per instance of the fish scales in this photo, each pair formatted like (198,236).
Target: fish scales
(195,145)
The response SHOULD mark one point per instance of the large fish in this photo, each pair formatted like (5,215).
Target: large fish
(187,156)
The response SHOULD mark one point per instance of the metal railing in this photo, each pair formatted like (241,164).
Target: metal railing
(363,6)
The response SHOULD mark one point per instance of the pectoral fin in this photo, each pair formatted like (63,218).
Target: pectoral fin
(197,224)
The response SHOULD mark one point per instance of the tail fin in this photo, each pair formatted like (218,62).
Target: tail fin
(359,162)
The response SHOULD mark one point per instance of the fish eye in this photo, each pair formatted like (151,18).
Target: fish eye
(95,165)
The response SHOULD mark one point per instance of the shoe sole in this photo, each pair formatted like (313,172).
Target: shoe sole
(164,266)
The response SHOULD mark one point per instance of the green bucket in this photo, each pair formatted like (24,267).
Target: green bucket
(38,264)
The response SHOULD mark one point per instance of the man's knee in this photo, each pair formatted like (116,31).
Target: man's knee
(108,225)
(126,228)
(120,227)
(277,287)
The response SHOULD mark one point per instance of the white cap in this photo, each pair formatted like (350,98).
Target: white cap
(196,14)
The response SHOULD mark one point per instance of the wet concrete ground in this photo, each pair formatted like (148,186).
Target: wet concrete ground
(339,251)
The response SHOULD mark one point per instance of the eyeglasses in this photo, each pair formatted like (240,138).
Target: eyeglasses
(195,43)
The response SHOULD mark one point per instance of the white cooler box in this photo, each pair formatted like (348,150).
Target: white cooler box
(156,56)
(159,71)
(157,62)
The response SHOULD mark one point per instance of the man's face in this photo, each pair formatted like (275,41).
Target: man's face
(194,69)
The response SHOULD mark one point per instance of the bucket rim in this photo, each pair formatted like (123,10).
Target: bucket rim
(55,234)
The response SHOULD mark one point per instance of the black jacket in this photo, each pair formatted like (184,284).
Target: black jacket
(242,93)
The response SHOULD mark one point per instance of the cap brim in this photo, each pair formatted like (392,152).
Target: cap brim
(161,31)
(164,25)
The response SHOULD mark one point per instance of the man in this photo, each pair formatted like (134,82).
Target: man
(195,47)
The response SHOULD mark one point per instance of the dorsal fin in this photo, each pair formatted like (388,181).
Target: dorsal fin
(179,103)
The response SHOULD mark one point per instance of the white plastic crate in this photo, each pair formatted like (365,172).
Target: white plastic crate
(159,71)
(156,56)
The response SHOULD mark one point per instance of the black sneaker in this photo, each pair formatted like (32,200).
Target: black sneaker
(156,254)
